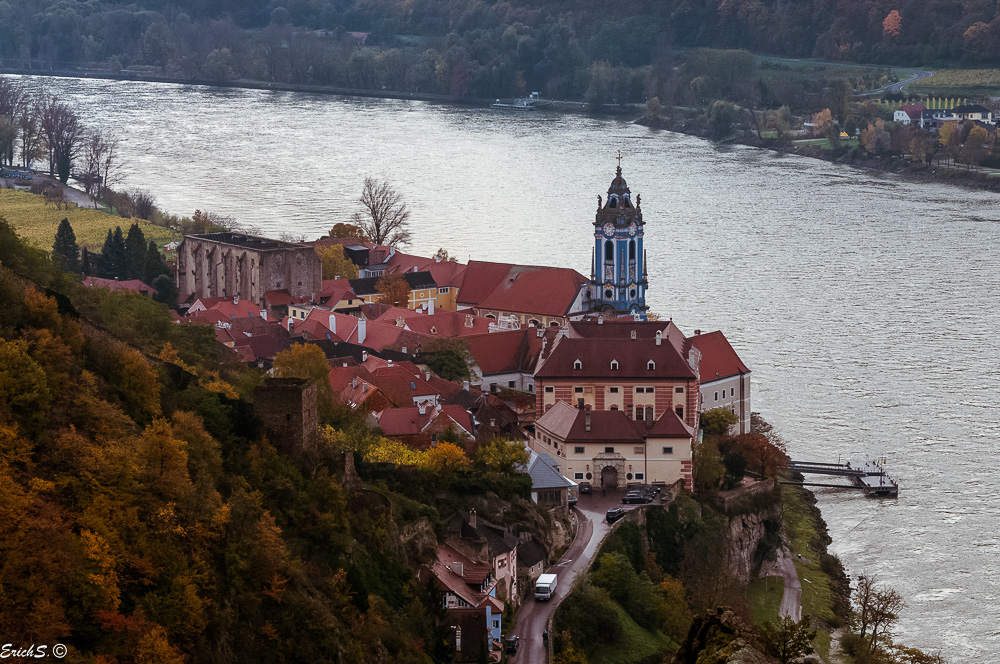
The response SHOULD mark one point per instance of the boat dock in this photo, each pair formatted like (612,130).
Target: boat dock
(869,477)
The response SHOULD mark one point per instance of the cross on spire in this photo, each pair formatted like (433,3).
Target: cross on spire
(619,162)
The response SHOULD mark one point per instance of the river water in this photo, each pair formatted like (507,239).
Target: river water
(866,305)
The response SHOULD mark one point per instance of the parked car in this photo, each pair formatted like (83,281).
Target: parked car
(586,488)
(615,513)
(633,498)
(511,643)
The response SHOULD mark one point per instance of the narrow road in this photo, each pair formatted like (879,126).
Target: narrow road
(532,617)
(898,87)
(791,601)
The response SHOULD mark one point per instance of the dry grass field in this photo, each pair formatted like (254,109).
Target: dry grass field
(37,222)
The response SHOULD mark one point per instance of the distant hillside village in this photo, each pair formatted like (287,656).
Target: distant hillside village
(600,391)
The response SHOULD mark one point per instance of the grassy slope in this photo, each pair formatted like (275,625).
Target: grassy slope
(764,597)
(37,222)
(636,645)
(816,596)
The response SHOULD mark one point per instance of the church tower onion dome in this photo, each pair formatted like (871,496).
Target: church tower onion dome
(618,278)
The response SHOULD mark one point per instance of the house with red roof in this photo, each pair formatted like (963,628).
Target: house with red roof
(725,379)
(226,307)
(129,285)
(421,427)
(506,359)
(610,449)
(533,295)
(908,113)
(468,591)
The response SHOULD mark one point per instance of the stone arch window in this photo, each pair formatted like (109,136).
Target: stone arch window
(614,365)
(651,365)
(534,322)
(554,323)
(609,251)
(613,201)
(631,250)
(577,365)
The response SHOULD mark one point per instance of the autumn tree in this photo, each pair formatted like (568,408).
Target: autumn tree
(447,458)
(502,456)
(384,217)
(393,290)
(441,255)
(336,264)
(874,613)
(975,147)
(787,639)
(717,421)
(677,615)
(876,138)
(821,121)
(65,250)
(307,361)
(892,23)
(342,230)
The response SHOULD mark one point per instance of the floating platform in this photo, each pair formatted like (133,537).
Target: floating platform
(869,477)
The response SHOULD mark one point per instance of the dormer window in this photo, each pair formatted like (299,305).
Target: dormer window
(577,365)
(614,365)
(651,365)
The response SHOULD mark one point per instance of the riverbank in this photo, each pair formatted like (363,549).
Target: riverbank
(852,155)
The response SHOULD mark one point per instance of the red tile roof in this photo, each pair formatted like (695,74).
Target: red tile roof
(445,323)
(133,285)
(277,298)
(596,355)
(718,359)
(612,426)
(506,352)
(529,289)
(409,421)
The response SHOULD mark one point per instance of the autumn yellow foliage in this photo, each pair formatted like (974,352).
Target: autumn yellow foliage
(37,222)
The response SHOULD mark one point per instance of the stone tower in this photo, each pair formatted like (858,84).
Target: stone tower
(618,280)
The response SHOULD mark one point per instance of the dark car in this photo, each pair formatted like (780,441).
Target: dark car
(586,488)
(511,643)
(633,498)
(615,513)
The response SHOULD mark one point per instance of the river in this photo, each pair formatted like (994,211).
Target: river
(866,305)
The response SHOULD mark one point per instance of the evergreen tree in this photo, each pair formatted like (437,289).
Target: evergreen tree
(65,251)
(113,253)
(135,253)
(153,264)
(166,290)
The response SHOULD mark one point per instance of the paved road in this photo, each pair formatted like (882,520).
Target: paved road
(791,601)
(533,617)
(898,87)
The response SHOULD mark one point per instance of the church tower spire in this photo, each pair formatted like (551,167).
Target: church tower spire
(618,282)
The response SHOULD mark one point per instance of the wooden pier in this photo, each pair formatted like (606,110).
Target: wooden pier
(869,477)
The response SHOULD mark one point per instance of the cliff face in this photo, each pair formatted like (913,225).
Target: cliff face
(750,538)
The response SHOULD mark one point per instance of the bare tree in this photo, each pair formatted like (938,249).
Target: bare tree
(102,163)
(13,101)
(384,217)
(32,141)
(143,204)
(63,135)
(876,611)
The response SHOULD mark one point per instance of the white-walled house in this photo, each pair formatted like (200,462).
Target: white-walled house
(725,379)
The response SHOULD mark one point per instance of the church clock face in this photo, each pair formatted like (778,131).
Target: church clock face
(609,229)
(632,228)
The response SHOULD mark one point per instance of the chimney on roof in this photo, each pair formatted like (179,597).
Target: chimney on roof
(345,364)
(600,319)
(430,307)
(263,314)
(458,568)
(403,351)
(333,324)
(586,419)
(364,356)
(427,376)
(390,363)
(540,332)
(697,333)
(354,382)
(236,299)
(422,409)
(659,337)
(362,330)
(465,385)
(472,517)
(469,320)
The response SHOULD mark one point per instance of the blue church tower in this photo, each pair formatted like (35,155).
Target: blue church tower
(618,280)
